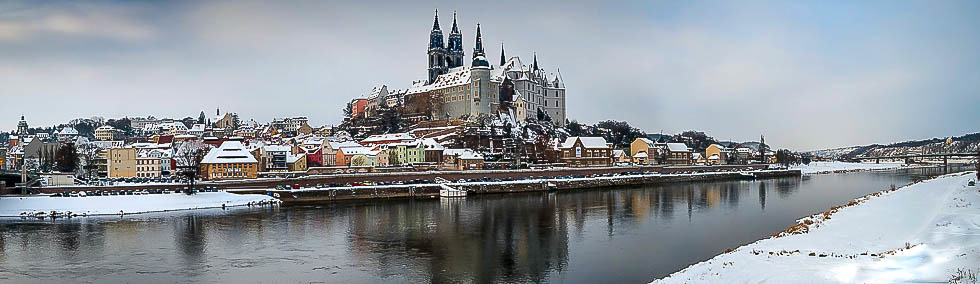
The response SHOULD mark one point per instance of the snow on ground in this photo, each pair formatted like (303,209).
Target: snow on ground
(926,232)
(830,167)
(128,204)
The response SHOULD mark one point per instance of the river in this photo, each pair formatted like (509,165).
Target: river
(618,235)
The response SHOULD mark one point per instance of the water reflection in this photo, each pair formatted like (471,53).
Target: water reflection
(762,196)
(603,235)
(190,238)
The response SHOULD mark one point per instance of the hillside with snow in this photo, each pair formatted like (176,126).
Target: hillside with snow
(969,143)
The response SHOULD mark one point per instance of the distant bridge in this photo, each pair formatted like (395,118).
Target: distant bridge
(944,156)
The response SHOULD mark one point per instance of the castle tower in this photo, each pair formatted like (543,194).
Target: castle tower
(455,47)
(479,57)
(480,76)
(437,51)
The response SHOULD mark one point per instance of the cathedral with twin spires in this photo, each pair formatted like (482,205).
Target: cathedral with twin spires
(458,89)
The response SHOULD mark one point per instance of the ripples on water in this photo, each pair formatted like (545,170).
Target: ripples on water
(631,234)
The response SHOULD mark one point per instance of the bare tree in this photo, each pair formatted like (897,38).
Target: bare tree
(978,164)
(188,157)
(88,153)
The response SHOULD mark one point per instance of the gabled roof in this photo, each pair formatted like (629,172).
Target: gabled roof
(618,153)
(293,158)
(647,141)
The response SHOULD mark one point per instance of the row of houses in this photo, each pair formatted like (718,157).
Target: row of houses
(595,151)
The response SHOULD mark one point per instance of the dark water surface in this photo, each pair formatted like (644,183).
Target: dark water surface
(620,235)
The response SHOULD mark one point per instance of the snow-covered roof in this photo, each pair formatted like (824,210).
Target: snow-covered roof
(455,77)
(293,158)
(714,157)
(640,155)
(696,156)
(677,147)
(463,154)
(68,131)
(587,142)
(618,153)
(431,144)
(388,137)
(229,152)
(358,151)
(345,144)
(276,148)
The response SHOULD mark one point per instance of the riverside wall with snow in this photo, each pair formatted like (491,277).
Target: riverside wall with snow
(43,206)
(312,180)
(314,195)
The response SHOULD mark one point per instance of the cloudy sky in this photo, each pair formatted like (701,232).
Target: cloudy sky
(807,74)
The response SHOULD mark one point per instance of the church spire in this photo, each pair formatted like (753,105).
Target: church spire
(435,24)
(535,61)
(503,59)
(479,56)
(455,28)
(479,42)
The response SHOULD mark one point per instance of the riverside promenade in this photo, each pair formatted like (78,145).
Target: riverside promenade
(343,179)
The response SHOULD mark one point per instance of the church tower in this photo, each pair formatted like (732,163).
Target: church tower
(22,126)
(455,47)
(438,58)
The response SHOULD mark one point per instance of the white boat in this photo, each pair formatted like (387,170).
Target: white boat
(449,192)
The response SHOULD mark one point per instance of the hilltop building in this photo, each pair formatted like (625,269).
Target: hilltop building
(456,89)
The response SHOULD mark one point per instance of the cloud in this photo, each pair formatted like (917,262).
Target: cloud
(80,22)
(807,75)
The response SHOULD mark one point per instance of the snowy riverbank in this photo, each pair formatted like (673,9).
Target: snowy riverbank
(925,232)
(831,167)
(127,204)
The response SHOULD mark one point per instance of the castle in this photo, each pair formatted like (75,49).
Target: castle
(454,90)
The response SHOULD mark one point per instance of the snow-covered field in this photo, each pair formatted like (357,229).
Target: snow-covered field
(127,204)
(829,167)
(926,232)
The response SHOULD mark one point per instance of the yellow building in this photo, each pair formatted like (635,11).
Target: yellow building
(716,154)
(107,133)
(296,163)
(229,161)
(122,162)
(643,151)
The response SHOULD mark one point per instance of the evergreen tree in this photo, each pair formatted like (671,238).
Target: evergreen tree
(67,158)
